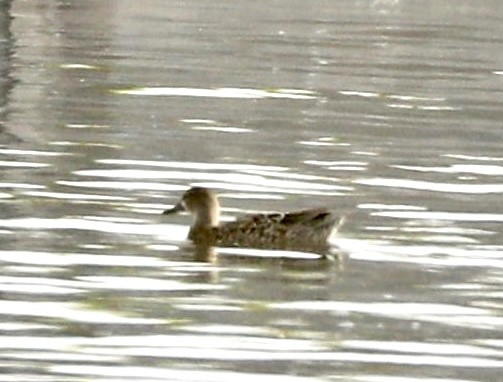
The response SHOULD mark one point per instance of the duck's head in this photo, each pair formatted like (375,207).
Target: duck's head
(200,202)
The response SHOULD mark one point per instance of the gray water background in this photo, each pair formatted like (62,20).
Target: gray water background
(389,112)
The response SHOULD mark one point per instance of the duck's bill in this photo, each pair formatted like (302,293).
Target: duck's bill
(177,208)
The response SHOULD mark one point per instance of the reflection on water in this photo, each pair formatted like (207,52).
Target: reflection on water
(386,111)
(220,93)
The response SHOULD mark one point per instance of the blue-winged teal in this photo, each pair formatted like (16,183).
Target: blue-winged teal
(307,229)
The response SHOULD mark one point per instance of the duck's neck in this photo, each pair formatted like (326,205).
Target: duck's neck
(202,231)
(207,217)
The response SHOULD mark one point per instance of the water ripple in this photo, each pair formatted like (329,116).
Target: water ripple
(447,314)
(23,164)
(293,94)
(265,182)
(250,348)
(72,259)
(437,255)
(70,311)
(460,188)
(154,374)
(93,224)
(458,169)
(440,215)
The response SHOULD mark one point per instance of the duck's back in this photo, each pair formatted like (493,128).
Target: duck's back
(301,229)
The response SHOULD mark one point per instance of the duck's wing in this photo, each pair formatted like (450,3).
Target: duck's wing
(313,217)
(279,229)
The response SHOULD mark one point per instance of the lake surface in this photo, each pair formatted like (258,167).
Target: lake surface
(387,111)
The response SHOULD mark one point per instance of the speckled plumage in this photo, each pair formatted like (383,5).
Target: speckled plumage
(305,229)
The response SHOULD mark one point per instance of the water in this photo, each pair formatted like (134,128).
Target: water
(387,111)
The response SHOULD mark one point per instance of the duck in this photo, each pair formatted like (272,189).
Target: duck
(308,229)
